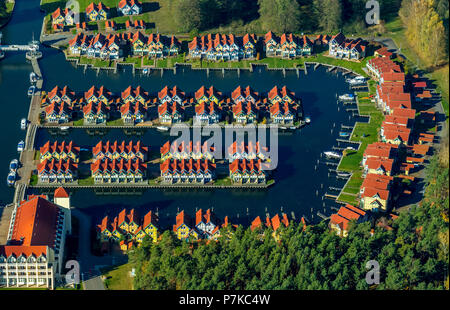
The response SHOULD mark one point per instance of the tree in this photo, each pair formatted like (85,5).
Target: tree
(328,14)
(279,15)
(188,15)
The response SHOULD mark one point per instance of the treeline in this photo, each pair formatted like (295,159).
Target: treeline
(414,255)
(279,15)
(426,23)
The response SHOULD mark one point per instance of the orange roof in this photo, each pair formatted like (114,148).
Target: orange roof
(256,223)
(26,250)
(60,192)
(35,222)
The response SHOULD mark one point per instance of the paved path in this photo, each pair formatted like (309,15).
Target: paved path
(5,218)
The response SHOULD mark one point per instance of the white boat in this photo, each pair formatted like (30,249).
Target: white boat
(145,71)
(346,97)
(344,134)
(11,178)
(64,128)
(307,120)
(332,154)
(343,174)
(350,148)
(33,77)
(21,146)
(162,128)
(31,90)
(356,80)
(13,165)
(293,127)
(282,127)
(23,123)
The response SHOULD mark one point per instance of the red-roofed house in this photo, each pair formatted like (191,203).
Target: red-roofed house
(244,171)
(375,199)
(35,243)
(339,221)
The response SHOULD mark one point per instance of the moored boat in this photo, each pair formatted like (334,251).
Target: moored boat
(344,134)
(162,128)
(33,77)
(346,97)
(13,165)
(31,90)
(23,123)
(332,154)
(307,120)
(343,174)
(21,146)
(11,179)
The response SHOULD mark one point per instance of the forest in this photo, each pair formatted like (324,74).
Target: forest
(413,255)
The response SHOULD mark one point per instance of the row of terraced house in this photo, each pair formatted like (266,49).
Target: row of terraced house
(94,12)
(193,163)
(397,155)
(115,162)
(217,47)
(128,228)
(111,46)
(280,105)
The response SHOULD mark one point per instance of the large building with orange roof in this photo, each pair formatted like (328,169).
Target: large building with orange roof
(34,253)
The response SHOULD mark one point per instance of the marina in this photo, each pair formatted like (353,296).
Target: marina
(304,143)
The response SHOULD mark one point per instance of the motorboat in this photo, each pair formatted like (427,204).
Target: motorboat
(331,154)
(23,123)
(11,179)
(21,146)
(33,77)
(343,174)
(350,148)
(346,97)
(13,165)
(64,128)
(307,120)
(356,80)
(344,134)
(162,128)
(31,90)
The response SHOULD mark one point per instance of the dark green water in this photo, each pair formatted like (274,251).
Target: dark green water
(297,180)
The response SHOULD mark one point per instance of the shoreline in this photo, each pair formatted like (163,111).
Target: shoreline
(9,17)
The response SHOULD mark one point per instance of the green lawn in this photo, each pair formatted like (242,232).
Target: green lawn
(33,179)
(223,181)
(365,133)
(118,277)
(5,17)
(351,199)
(116,122)
(86,181)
